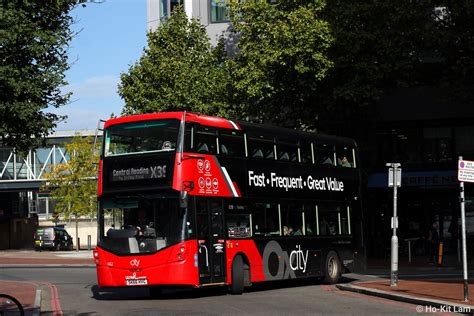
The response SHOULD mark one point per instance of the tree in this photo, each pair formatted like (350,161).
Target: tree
(179,70)
(73,184)
(33,58)
(455,30)
(378,47)
(281,60)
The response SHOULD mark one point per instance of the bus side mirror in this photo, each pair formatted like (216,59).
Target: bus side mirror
(183,199)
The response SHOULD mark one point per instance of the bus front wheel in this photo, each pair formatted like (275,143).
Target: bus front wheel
(332,268)
(237,276)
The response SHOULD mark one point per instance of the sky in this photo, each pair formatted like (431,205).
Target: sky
(111,37)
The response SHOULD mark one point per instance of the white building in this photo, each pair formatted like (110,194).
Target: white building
(213,14)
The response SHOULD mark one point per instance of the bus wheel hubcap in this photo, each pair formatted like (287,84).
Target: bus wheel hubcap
(332,270)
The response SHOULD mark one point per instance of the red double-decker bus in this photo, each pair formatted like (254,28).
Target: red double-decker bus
(193,200)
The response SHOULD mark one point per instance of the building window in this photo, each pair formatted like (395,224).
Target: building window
(163,9)
(219,11)
(167,6)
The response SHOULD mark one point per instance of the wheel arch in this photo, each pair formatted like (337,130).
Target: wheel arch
(247,268)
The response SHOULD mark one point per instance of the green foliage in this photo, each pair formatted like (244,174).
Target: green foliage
(33,40)
(73,185)
(378,47)
(455,30)
(282,59)
(179,70)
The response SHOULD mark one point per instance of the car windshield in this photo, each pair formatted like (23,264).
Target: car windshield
(44,232)
(137,225)
(141,137)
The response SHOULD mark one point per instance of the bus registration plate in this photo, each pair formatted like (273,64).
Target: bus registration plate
(137,282)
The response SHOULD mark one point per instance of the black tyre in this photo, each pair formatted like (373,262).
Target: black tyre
(10,306)
(237,277)
(332,268)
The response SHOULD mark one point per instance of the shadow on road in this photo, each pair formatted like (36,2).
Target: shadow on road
(146,293)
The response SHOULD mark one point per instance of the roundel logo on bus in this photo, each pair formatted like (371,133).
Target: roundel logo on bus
(200,164)
(201,182)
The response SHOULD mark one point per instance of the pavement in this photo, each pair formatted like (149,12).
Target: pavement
(434,289)
(29,293)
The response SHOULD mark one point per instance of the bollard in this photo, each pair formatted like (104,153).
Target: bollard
(78,245)
(409,251)
(440,254)
(89,242)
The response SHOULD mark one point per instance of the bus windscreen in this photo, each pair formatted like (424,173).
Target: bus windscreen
(142,225)
(141,137)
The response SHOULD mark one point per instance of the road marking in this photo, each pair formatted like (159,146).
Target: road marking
(55,306)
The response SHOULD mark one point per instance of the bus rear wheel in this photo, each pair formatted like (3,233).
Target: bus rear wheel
(332,268)
(237,276)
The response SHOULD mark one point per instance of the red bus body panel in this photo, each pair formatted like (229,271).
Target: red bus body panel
(207,176)
(161,268)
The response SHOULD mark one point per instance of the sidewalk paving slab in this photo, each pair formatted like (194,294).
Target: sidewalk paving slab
(29,258)
(445,295)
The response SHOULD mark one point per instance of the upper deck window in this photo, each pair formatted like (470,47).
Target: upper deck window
(205,140)
(345,157)
(324,154)
(141,137)
(261,146)
(231,143)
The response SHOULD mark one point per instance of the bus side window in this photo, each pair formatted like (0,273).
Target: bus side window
(287,148)
(265,219)
(238,221)
(205,140)
(310,220)
(334,219)
(345,157)
(306,152)
(328,220)
(189,138)
(344,217)
(324,154)
(292,219)
(261,147)
(287,152)
(231,143)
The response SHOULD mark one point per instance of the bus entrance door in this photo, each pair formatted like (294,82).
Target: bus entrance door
(211,242)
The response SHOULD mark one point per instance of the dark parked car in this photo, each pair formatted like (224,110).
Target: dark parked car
(53,238)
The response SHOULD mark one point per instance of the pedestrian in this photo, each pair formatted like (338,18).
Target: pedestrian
(433,241)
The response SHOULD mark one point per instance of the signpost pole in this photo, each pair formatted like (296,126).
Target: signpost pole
(395,172)
(463,234)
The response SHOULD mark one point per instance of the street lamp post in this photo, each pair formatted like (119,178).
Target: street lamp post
(394,180)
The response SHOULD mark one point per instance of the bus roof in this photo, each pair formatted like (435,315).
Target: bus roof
(218,122)
(190,117)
